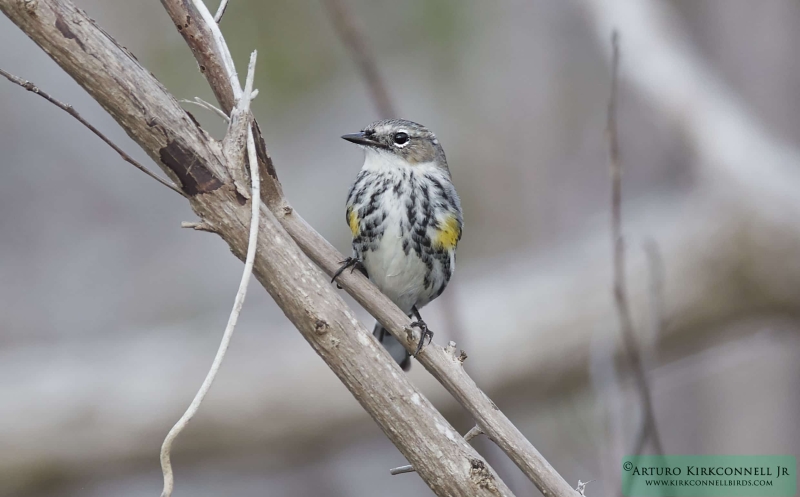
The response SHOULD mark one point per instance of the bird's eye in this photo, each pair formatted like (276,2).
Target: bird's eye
(400,138)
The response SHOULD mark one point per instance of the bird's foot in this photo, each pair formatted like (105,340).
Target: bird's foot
(424,333)
(351,262)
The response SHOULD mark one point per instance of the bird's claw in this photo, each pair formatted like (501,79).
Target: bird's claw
(424,333)
(351,262)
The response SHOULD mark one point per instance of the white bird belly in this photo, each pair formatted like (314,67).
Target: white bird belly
(400,276)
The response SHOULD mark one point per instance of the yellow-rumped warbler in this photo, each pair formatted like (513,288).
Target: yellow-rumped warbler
(406,220)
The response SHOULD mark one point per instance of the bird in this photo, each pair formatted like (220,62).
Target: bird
(406,221)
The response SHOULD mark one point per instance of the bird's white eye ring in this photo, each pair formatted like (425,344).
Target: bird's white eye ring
(400,138)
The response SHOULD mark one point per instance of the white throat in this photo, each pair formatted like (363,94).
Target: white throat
(381,161)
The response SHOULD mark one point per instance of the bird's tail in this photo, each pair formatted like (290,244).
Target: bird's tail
(395,348)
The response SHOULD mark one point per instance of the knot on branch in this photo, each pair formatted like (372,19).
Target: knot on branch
(321,327)
(30,6)
(481,476)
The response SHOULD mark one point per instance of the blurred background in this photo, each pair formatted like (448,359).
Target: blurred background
(107,328)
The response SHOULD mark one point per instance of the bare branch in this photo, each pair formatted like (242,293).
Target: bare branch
(166,447)
(72,112)
(618,243)
(216,66)
(219,42)
(354,41)
(220,11)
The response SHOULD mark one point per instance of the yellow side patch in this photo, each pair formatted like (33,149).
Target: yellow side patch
(449,233)
(353,221)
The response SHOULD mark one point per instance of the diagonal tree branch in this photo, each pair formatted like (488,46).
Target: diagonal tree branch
(155,120)
(443,364)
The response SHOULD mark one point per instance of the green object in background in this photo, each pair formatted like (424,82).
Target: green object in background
(701,476)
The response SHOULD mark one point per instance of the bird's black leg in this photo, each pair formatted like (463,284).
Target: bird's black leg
(423,328)
(351,262)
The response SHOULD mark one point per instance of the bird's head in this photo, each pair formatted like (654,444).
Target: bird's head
(413,144)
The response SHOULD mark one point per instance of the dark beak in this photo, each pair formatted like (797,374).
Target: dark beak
(361,139)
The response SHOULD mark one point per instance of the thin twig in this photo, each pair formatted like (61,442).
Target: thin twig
(208,106)
(72,112)
(354,40)
(166,465)
(472,433)
(618,242)
(581,488)
(222,46)
(655,265)
(198,226)
(402,469)
(220,11)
